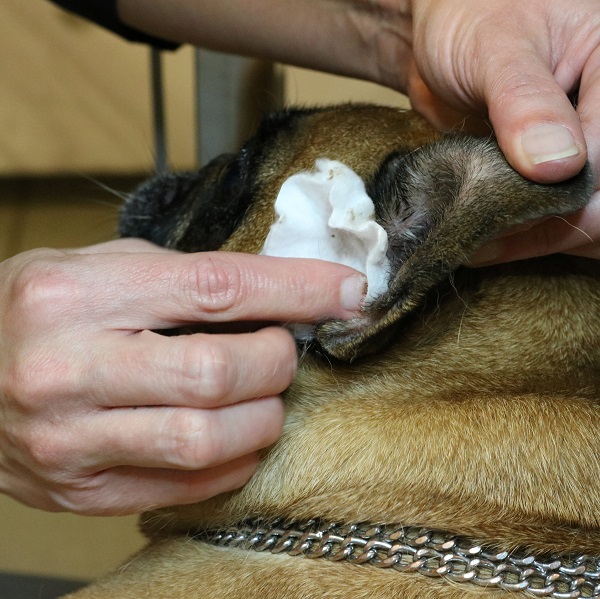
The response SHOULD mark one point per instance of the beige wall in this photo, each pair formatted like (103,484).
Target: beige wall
(304,87)
(75,98)
(63,545)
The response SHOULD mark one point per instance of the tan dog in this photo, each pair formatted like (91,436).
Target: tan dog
(464,401)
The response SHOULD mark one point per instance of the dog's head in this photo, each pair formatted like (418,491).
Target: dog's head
(437,197)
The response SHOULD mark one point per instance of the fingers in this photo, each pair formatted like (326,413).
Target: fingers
(79,356)
(537,128)
(161,437)
(164,289)
(125,460)
(577,234)
(122,491)
(438,112)
(187,439)
(518,64)
(191,370)
(128,490)
(225,287)
(588,109)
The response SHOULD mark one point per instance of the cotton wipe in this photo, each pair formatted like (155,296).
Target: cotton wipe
(327,214)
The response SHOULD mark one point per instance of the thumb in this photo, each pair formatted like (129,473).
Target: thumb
(536,126)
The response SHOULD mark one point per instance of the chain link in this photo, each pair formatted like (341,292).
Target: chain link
(428,552)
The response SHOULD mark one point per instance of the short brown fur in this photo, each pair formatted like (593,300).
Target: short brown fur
(477,414)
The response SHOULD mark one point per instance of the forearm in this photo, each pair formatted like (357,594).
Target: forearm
(340,36)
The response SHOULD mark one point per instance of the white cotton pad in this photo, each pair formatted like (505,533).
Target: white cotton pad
(327,214)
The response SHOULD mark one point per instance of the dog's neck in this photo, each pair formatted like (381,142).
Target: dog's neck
(431,553)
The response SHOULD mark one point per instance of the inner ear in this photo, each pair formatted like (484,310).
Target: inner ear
(439,204)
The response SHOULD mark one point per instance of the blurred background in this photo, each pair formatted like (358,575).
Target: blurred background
(75,136)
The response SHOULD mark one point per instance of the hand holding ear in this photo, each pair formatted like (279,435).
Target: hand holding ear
(518,66)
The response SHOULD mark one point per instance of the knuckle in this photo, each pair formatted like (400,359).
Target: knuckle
(190,440)
(216,284)
(206,371)
(48,452)
(82,503)
(31,379)
(286,356)
(86,496)
(39,292)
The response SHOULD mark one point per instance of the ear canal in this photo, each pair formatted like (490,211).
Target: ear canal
(439,204)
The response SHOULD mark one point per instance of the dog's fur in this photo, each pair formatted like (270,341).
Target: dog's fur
(463,400)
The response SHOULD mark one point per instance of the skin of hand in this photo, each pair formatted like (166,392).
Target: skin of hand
(102,415)
(519,66)
(465,64)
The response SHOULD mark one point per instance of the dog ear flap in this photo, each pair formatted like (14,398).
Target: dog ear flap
(439,204)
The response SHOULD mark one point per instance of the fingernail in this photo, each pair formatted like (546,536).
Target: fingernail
(353,292)
(547,142)
(486,253)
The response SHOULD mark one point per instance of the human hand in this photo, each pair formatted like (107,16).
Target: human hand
(577,234)
(465,64)
(100,415)
(515,64)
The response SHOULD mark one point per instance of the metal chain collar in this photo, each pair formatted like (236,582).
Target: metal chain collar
(411,549)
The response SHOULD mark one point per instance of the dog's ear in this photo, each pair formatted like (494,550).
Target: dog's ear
(438,204)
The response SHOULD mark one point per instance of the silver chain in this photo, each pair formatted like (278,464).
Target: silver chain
(429,552)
